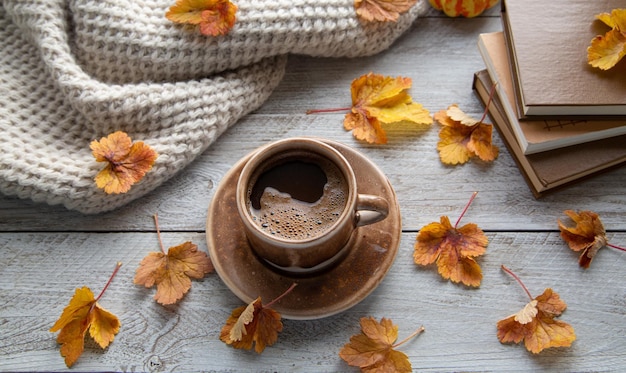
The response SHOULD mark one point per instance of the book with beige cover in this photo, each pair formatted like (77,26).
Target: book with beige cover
(547,171)
(548,41)
(538,135)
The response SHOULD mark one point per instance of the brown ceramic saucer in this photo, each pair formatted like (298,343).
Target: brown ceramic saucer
(316,295)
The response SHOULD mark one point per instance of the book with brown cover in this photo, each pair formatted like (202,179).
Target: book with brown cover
(547,42)
(547,171)
(547,133)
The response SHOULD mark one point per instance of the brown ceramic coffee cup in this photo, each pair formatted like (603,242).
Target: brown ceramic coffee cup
(299,204)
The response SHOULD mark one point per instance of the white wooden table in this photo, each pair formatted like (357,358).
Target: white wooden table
(47,252)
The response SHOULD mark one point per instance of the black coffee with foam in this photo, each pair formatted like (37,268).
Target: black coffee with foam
(298,199)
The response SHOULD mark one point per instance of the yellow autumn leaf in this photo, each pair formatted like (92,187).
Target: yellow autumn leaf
(607,50)
(377,100)
(82,314)
(461,137)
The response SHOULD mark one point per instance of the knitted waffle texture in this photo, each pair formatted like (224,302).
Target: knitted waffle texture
(74,71)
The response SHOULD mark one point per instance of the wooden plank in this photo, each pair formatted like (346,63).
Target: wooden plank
(39,272)
(440,55)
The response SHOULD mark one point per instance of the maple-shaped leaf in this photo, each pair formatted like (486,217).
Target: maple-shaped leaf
(172,272)
(255,323)
(373,350)
(252,324)
(214,17)
(381,10)
(607,50)
(535,325)
(453,249)
(462,137)
(81,314)
(587,235)
(378,99)
(127,162)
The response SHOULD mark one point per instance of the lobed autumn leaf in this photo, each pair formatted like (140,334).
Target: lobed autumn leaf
(465,8)
(587,235)
(214,17)
(252,324)
(255,323)
(605,51)
(172,272)
(127,162)
(463,137)
(377,98)
(535,324)
(381,10)
(373,350)
(82,314)
(452,249)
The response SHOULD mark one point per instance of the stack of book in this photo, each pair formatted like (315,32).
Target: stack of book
(561,119)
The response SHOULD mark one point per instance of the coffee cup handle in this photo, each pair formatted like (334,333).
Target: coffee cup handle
(376,208)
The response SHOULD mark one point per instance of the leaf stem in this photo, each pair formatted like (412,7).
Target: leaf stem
(491,93)
(616,247)
(281,296)
(315,111)
(156,223)
(418,331)
(465,209)
(117,268)
(505,269)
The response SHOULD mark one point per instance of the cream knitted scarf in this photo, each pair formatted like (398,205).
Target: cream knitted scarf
(73,71)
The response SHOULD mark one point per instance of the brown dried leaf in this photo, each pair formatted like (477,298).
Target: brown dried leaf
(381,10)
(586,235)
(252,324)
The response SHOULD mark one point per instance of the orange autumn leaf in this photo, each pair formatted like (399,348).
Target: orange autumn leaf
(373,350)
(587,235)
(381,10)
(463,137)
(252,324)
(534,324)
(214,17)
(172,272)
(607,50)
(452,249)
(465,8)
(81,314)
(127,162)
(377,98)
(255,323)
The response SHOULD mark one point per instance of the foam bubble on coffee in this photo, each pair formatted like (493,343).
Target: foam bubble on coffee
(285,217)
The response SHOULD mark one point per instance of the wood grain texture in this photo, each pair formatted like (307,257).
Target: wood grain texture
(440,55)
(40,271)
(48,251)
